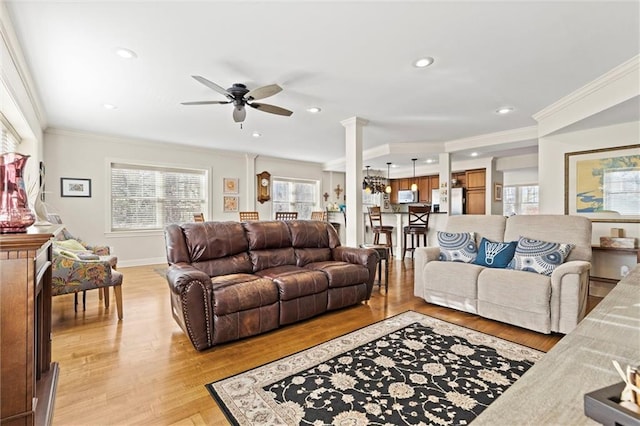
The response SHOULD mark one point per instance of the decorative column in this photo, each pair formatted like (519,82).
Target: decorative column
(353,177)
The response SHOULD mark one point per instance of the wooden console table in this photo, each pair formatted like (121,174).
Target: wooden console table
(614,250)
(28,378)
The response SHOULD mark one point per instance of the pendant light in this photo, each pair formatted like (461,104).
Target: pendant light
(388,188)
(367,185)
(414,185)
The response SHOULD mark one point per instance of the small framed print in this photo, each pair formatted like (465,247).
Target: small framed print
(230,204)
(230,185)
(71,187)
(497,192)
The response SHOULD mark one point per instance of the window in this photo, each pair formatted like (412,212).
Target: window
(148,197)
(10,138)
(520,199)
(295,195)
(622,191)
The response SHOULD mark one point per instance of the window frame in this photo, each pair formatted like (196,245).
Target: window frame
(316,203)
(206,191)
(518,203)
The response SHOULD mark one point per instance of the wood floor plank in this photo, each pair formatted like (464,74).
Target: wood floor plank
(143,370)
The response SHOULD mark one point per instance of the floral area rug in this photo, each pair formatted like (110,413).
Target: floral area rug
(409,369)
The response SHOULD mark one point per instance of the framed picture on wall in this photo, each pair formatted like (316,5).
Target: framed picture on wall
(603,184)
(497,192)
(230,204)
(230,185)
(70,187)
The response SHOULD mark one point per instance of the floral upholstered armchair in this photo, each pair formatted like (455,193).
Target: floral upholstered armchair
(78,266)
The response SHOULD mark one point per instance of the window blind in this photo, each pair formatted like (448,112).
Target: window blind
(10,137)
(149,198)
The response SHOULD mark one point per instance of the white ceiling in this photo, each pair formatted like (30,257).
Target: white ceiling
(348,58)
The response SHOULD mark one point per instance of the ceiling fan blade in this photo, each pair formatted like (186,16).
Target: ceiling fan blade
(205,102)
(263,92)
(212,85)
(239,114)
(271,109)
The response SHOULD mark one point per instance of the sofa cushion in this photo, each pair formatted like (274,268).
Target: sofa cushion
(309,255)
(491,227)
(452,284)
(493,254)
(302,283)
(515,297)
(538,256)
(235,264)
(240,292)
(309,233)
(341,274)
(265,259)
(457,246)
(279,271)
(213,240)
(268,234)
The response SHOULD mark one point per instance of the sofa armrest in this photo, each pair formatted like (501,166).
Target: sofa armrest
(191,303)
(360,256)
(422,256)
(569,290)
(181,275)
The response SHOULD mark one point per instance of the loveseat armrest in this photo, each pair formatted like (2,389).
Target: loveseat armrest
(191,303)
(366,257)
(569,290)
(422,256)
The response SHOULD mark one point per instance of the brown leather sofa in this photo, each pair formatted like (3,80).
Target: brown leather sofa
(231,280)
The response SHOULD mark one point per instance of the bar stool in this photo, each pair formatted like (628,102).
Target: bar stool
(418,225)
(375,220)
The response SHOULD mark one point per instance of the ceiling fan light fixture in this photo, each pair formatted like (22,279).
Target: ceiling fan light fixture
(423,62)
(474,154)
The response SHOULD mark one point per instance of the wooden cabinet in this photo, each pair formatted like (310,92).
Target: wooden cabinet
(475,201)
(395,186)
(28,378)
(405,183)
(424,189)
(434,183)
(475,179)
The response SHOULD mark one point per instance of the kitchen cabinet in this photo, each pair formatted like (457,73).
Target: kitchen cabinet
(475,179)
(475,201)
(405,183)
(424,189)
(395,186)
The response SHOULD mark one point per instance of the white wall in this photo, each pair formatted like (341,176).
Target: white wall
(528,176)
(551,167)
(88,156)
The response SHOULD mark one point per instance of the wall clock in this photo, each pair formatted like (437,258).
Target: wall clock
(264,187)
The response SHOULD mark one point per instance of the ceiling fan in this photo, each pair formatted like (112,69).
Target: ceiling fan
(240,96)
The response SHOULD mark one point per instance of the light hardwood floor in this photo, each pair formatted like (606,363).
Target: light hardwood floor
(143,370)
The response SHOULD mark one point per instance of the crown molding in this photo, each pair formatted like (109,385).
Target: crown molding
(489,139)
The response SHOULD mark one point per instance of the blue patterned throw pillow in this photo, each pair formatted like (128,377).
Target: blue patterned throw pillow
(539,256)
(457,247)
(494,254)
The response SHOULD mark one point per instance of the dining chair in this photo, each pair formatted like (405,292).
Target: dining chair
(319,215)
(249,216)
(198,217)
(375,220)
(286,215)
(418,225)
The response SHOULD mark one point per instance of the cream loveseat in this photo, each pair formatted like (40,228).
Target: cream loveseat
(546,304)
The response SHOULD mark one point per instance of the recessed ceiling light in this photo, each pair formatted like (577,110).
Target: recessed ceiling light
(474,154)
(423,62)
(256,134)
(109,106)
(504,110)
(126,53)
(313,110)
